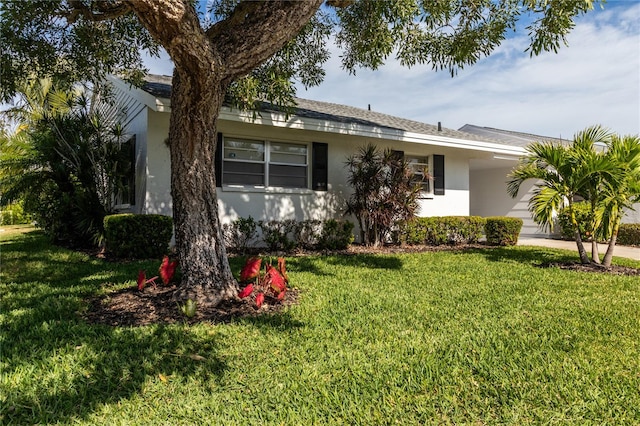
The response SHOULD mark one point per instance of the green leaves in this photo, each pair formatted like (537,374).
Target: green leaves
(39,37)
(598,166)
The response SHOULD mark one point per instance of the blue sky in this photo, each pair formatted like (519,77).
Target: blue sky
(595,80)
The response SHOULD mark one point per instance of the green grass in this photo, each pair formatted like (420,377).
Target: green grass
(483,337)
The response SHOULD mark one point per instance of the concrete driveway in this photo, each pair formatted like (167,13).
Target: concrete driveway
(620,251)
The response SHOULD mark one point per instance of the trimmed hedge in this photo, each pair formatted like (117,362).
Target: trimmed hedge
(138,236)
(287,235)
(336,235)
(438,230)
(502,230)
(629,234)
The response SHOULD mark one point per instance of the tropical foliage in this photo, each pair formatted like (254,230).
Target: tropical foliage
(599,167)
(273,281)
(65,161)
(385,192)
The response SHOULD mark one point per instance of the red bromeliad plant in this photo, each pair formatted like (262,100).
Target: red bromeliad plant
(273,281)
(167,270)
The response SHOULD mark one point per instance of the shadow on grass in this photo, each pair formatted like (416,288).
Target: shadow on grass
(370,261)
(277,321)
(84,367)
(60,368)
(536,256)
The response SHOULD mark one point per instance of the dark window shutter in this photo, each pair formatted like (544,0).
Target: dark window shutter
(218,161)
(438,174)
(319,163)
(398,155)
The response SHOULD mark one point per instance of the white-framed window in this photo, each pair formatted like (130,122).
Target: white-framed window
(258,163)
(421,167)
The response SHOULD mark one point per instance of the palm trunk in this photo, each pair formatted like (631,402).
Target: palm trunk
(195,104)
(595,256)
(584,258)
(608,256)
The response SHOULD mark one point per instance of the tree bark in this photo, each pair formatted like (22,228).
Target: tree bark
(584,258)
(205,65)
(195,104)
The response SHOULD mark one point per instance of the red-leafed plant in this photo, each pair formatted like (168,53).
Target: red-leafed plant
(166,272)
(167,269)
(273,281)
(143,281)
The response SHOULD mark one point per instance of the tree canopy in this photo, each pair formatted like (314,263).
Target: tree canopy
(86,39)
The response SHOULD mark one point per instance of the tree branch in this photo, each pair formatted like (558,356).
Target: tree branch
(104,11)
(256,30)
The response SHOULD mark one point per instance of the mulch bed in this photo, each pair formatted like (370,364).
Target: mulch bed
(612,270)
(130,307)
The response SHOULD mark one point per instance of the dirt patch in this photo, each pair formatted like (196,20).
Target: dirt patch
(612,270)
(130,307)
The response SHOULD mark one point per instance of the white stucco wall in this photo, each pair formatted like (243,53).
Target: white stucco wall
(298,204)
(488,197)
(158,170)
(632,216)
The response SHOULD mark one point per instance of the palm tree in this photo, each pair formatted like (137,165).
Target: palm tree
(593,167)
(558,171)
(64,161)
(621,189)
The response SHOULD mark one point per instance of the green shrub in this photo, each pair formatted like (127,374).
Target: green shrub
(138,236)
(442,230)
(502,230)
(279,235)
(241,234)
(336,235)
(582,211)
(308,233)
(14,214)
(629,234)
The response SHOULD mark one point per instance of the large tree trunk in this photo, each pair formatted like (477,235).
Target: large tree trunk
(195,104)
(206,63)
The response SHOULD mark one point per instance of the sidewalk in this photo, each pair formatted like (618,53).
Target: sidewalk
(620,251)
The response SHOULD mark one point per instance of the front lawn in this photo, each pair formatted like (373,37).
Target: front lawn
(479,337)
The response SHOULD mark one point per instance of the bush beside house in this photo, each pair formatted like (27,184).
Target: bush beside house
(442,230)
(629,234)
(143,236)
(502,230)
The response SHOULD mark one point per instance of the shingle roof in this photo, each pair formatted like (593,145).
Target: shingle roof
(160,86)
(507,136)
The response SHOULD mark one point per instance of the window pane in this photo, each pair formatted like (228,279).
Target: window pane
(420,168)
(288,153)
(239,173)
(288,176)
(243,150)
